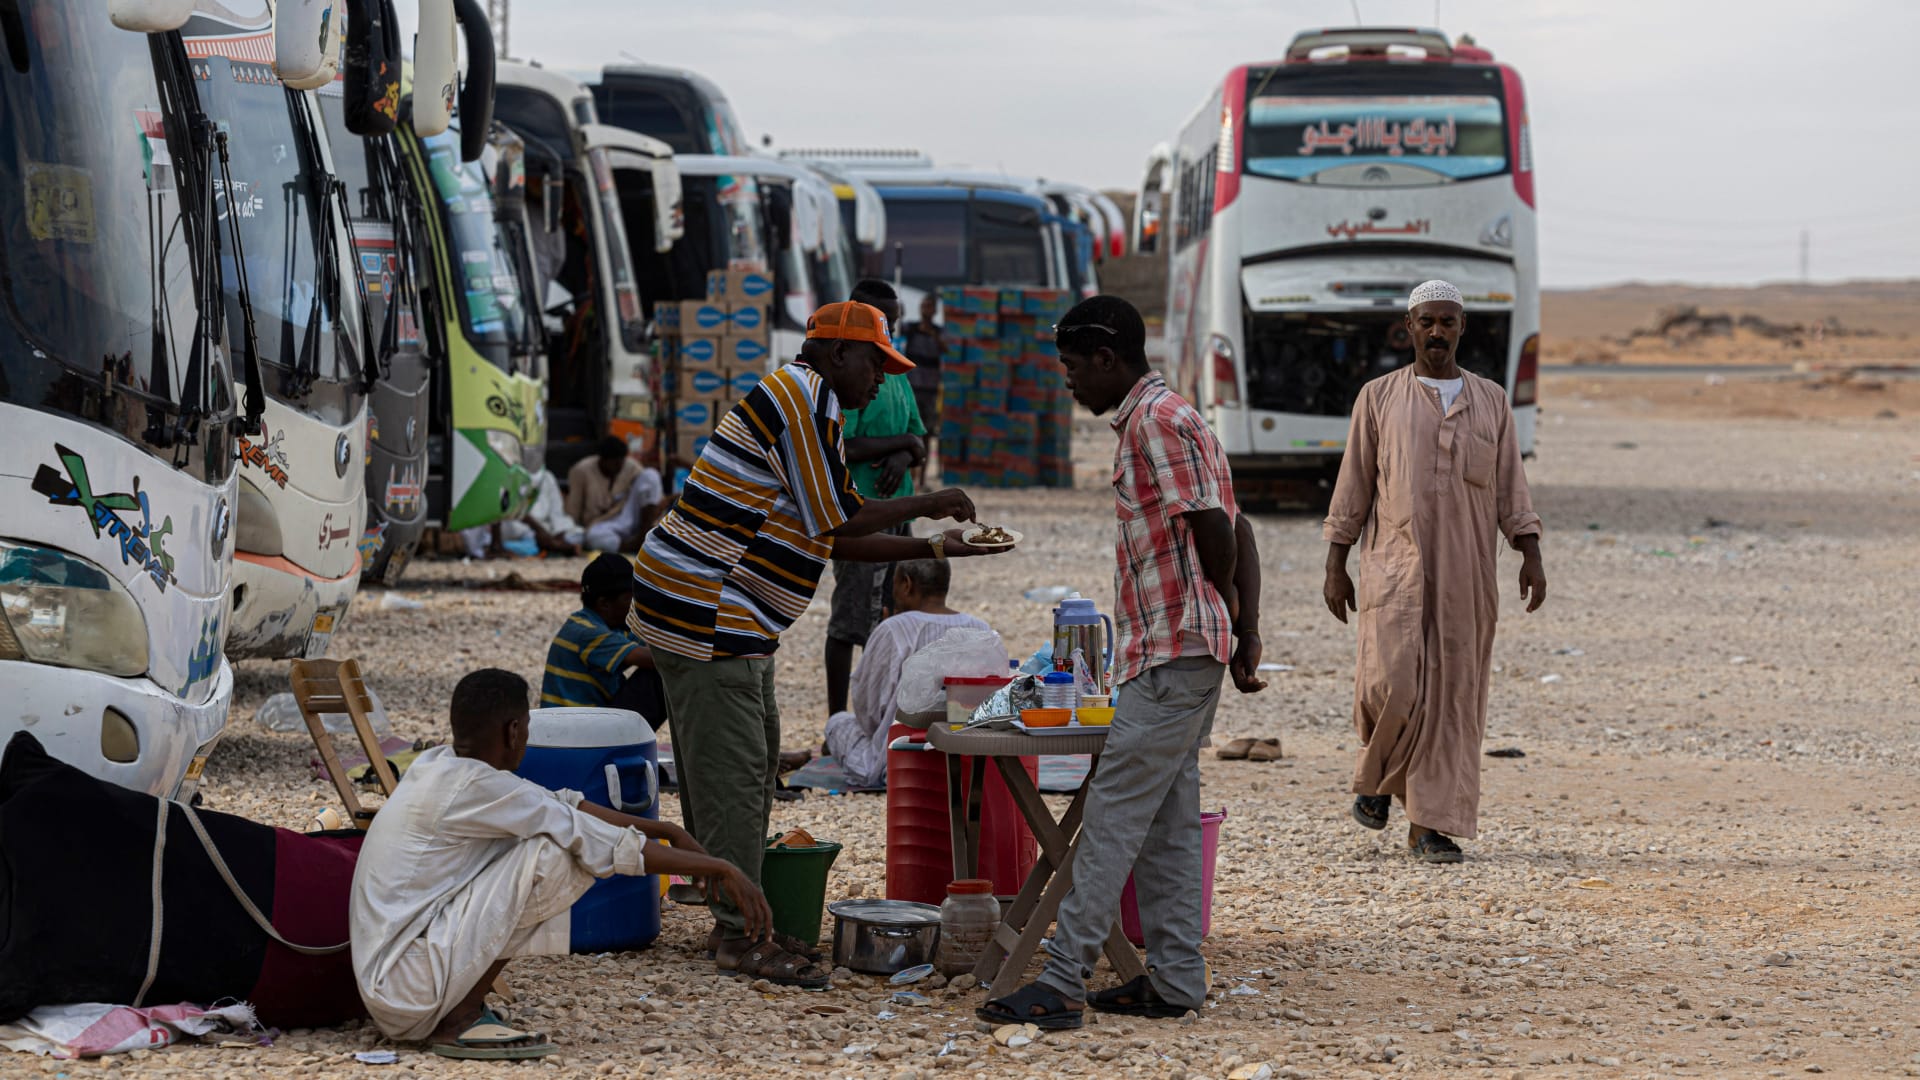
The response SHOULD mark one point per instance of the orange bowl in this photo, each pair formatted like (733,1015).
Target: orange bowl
(1046,717)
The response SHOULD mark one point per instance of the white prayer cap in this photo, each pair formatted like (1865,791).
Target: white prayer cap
(1434,290)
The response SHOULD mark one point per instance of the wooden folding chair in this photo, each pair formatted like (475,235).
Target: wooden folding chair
(336,686)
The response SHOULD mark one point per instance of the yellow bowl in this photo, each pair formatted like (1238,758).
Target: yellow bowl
(1096,717)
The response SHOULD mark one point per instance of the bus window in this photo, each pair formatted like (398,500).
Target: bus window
(1378,125)
(932,240)
(536,118)
(1007,246)
(642,106)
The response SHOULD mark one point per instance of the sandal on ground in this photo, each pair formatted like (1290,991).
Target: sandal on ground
(1136,998)
(1032,1004)
(490,1039)
(786,941)
(1434,848)
(1265,750)
(781,967)
(1371,810)
(1237,750)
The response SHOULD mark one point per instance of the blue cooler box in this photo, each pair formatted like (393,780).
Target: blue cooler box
(610,756)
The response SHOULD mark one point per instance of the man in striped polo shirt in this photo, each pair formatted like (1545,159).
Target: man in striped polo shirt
(588,662)
(736,561)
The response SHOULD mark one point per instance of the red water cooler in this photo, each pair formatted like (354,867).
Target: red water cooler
(919,840)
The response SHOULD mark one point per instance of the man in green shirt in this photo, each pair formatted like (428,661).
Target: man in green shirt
(885,443)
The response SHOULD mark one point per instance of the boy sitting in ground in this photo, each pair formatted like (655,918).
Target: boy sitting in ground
(593,661)
(921,617)
(468,866)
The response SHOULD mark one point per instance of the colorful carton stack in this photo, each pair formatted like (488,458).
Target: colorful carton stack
(1006,418)
(713,352)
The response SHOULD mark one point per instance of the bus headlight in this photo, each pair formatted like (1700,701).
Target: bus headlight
(257,527)
(61,610)
(505,445)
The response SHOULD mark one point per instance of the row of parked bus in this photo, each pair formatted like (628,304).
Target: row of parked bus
(283,292)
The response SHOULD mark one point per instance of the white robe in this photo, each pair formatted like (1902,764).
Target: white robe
(859,738)
(465,865)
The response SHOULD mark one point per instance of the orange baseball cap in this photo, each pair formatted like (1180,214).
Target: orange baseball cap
(850,320)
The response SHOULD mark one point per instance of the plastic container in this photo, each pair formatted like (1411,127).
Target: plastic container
(966,692)
(1210,849)
(1092,717)
(1058,691)
(1046,717)
(919,840)
(968,917)
(608,755)
(795,881)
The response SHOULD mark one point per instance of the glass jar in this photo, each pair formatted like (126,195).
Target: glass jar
(968,918)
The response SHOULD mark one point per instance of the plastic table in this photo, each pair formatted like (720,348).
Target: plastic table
(1033,910)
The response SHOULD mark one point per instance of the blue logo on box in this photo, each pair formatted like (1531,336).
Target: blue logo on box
(749,318)
(748,351)
(756,286)
(743,382)
(700,350)
(695,414)
(708,317)
(708,382)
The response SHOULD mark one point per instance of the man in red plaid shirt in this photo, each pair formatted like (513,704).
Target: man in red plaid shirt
(1188,588)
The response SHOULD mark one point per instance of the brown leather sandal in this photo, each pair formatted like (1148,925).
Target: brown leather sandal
(767,960)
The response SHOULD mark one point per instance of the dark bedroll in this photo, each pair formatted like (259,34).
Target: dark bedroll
(76,912)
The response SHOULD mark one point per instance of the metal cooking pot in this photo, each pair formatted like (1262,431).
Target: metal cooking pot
(882,937)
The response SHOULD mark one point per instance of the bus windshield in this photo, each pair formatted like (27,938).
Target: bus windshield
(96,264)
(930,238)
(489,291)
(280,193)
(1375,124)
(1008,248)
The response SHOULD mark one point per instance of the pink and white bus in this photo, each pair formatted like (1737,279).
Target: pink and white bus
(1302,201)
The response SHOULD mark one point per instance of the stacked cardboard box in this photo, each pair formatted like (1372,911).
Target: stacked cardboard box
(1006,418)
(713,352)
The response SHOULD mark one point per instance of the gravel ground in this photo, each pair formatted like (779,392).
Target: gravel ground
(1704,864)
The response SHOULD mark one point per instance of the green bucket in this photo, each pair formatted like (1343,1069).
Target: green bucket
(795,881)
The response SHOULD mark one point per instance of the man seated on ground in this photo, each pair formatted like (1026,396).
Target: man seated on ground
(921,617)
(468,866)
(593,661)
(614,496)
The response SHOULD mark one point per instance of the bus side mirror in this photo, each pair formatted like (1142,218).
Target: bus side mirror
(149,16)
(476,94)
(306,42)
(434,68)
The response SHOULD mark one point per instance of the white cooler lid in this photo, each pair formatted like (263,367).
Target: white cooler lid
(588,728)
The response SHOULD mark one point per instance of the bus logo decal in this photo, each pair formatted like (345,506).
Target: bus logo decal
(268,457)
(141,545)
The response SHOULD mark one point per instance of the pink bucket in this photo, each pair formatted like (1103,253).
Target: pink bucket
(1210,850)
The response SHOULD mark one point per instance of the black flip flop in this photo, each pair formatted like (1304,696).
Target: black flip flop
(1017,1008)
(1136,998)
(1371,810)
(1435,848)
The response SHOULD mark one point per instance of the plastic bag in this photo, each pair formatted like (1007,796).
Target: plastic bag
(281,713)
(963,652)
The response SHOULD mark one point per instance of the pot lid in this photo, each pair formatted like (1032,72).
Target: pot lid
(886,912)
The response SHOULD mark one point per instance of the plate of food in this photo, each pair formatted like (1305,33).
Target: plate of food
(991,537)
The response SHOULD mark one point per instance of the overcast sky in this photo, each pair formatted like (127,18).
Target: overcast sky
(1674,139)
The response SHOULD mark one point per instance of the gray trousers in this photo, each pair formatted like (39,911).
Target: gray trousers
(1143,817)
(726,753)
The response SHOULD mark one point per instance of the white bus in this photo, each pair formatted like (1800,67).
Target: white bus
(1300,204)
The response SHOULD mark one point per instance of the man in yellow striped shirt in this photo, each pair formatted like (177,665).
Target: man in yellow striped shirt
(736,561)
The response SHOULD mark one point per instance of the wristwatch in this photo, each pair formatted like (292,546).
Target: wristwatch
(938,541)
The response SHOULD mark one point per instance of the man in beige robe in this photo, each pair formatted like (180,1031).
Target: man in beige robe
(1430,483)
